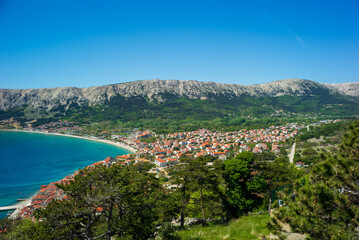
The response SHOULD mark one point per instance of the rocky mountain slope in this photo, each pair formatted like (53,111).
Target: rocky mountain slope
(157,90)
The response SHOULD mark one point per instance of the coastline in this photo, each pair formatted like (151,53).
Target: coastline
(21,205)
(28,201)
(121,145)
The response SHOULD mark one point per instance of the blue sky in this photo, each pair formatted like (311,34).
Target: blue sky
(91,43)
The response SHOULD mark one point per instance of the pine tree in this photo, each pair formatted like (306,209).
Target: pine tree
(120,201)
(325,203)
(197,185)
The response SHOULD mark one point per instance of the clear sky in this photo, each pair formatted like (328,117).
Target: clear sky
(55,43)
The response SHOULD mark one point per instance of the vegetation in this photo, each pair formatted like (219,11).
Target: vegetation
(244,184)
(246,227)
(325,203)
(320,140)
(325,130)
(199,192)
(184,114)
(128,202)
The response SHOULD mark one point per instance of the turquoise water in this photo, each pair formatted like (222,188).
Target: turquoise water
(29,160)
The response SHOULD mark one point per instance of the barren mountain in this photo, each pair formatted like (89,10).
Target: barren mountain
(157,90)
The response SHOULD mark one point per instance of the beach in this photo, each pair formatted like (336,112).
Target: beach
(20,206)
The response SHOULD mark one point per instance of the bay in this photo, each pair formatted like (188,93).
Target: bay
(29,160)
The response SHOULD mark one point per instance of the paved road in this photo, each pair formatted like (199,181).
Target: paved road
(291,154)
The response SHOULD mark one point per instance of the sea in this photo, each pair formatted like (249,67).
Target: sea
(29,160)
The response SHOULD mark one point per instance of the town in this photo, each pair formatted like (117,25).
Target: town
(54,127)
(165,151)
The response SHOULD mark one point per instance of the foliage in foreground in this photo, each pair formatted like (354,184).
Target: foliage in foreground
(219,189)
(127,202)
(120,201)
(325,203)
(245,227)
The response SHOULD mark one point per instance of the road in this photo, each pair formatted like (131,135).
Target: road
(291,154)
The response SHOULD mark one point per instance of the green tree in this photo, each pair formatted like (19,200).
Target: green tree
(206,184)
(25,229)
(325,203)
(183,178)
(244,184)
(278,174)
(103,202)
(350,143)
(198,186)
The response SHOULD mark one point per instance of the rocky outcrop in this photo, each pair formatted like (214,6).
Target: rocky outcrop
(49,98)
(351,89)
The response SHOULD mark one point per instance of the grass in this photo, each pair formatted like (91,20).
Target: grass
(246,227)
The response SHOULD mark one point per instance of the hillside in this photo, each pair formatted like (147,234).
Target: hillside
(156,90)
(164,104)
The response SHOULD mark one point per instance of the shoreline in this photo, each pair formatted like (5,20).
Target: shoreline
(28,201)
(21,205)
(118,144)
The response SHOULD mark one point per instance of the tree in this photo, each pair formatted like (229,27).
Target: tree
(183,178)
(244,184)
(198,186)
(206,184)
(278,174)
(104,202)
(325,203)
(350,143)
(24,229)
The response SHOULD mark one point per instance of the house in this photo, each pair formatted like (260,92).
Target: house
(257,150)
(123,158)
(300,165)
(141,135)
(128,162)
(171,161)
(115,136)
(262,146)
(217,154)
(142,160)
(160,162)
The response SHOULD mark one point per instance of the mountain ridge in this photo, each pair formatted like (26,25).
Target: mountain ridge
(156,90)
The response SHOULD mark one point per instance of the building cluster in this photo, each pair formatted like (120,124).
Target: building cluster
(168,149)
(46,194)
(56,127)
(50,192)
(165,151)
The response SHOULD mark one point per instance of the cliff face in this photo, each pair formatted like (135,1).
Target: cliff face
(49,98)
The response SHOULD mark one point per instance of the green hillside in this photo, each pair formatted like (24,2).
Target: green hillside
(184,114)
